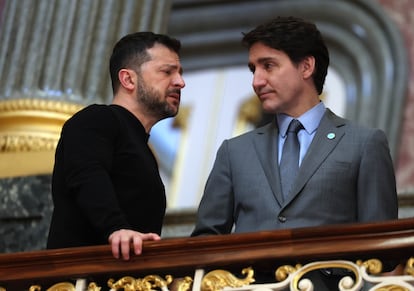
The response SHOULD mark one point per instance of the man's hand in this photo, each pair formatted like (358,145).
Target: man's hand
(120,242)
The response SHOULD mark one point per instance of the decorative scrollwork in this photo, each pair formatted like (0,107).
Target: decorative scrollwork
(283,272)
(218,279)
(148,283)
(299,282)
(373,266)
(127,283)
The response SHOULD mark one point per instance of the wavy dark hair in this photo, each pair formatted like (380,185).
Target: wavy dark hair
(298,39)
(131,52)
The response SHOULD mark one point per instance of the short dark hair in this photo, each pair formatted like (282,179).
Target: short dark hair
(298,39)
(131,52)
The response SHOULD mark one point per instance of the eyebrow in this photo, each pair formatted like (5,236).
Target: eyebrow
(175,67)
(261,61)
(265,59)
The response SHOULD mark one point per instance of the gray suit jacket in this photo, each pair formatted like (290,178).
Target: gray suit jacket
(346,176)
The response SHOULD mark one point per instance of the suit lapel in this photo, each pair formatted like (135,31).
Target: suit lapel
(328,135)
(265,142)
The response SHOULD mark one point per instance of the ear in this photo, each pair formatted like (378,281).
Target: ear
(127,78)
(308,66)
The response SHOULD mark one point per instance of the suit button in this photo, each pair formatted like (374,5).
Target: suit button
(282,218)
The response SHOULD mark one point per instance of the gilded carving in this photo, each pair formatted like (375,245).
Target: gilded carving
(63,286)
(26,143)
(29,132)
(283,272)
(15,105)
(218,279)
(35,288)
(32,124)
(148,283)
(182,284)
(373,266)
(295,276)
(409,267)
(93,287)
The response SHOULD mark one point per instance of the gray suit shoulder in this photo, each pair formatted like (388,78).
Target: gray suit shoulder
(351,125)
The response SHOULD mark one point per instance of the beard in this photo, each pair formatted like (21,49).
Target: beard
(154,101)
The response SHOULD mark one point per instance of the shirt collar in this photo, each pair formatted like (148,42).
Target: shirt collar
(310,119)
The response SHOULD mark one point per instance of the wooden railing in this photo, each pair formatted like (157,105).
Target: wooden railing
(181,257)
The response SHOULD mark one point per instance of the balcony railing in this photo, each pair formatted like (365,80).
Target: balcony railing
(213,263)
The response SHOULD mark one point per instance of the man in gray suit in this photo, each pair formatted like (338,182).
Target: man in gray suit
(345,171)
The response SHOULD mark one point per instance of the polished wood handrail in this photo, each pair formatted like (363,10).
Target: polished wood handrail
(393,240)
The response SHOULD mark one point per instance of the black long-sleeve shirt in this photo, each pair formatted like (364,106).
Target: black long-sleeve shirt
(105,178)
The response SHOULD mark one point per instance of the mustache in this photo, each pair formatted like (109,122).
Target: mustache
(174,91)
(177,91)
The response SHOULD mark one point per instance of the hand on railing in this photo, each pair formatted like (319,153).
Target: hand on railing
(121,240)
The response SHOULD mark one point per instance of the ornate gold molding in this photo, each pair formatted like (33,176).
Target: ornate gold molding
(29,132)
(32,124)
(42,105)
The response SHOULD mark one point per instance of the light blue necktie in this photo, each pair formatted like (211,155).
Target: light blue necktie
(289,164)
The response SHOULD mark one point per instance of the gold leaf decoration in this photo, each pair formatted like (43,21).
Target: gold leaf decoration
(148,283)
(93,287)
(63,286)
(409,268)
(282,272)
(373,266)
(32,124)
(182,284)
(218,279)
